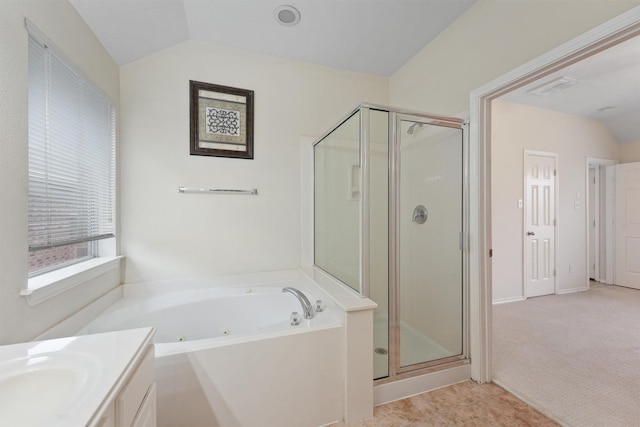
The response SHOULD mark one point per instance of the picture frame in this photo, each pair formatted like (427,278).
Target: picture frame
(221,120)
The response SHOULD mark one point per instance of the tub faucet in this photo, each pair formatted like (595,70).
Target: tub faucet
(307,308)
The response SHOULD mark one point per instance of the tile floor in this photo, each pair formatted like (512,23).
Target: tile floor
(464,404)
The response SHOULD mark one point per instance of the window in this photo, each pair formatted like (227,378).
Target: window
(71,161)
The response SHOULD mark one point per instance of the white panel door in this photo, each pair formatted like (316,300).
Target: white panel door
(628,225)
(539,225)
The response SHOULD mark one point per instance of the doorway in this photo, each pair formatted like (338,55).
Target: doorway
(593,223)
(600,221)
(622,28)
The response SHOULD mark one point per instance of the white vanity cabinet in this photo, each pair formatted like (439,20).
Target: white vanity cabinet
(96,380)
(134,404)
(146,416)
(137,395)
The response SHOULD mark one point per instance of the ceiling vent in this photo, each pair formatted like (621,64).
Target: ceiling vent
(607,108)
(287,15)
(554,86)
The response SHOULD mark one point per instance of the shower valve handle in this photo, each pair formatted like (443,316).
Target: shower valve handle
(419,215)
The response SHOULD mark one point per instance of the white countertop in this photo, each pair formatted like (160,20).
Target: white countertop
(347,299)
(86,372)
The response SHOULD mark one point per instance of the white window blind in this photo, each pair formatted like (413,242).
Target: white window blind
(71,153)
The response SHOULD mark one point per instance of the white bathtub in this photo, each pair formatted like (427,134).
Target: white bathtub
(203,318)
(228,356)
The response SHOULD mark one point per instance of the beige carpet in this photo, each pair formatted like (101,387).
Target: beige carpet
(574,357)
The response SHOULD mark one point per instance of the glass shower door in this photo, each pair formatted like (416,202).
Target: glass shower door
(429,226)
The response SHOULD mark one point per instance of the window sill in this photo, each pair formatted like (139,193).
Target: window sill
(48,285)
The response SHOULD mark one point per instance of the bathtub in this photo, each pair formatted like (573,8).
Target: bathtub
(204,318)
(229,356)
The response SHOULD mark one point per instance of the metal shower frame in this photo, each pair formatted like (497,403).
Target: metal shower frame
(395,115)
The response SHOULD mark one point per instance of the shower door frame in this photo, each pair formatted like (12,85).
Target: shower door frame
(396,371)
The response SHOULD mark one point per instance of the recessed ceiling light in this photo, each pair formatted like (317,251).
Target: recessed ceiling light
(554,86)
(287,15)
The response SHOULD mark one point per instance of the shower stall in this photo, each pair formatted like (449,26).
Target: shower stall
(390,222)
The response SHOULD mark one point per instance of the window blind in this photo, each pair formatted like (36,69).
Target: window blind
(71,153)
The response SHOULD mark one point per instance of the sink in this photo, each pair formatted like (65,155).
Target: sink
(44,389)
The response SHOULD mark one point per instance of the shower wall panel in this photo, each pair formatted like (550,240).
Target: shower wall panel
(337,203)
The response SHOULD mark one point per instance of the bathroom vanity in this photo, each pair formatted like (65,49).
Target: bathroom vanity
(102,380)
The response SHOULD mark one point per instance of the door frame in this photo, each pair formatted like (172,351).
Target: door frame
(612,32)
(608,245)
(593,217)
(556,202)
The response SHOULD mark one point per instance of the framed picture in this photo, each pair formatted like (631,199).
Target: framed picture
(221,120)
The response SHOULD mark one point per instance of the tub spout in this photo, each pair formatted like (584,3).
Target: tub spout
(307,308)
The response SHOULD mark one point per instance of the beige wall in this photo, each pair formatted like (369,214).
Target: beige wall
(490,39)
(63,26)
(518,127)
(166,234)
(628,153)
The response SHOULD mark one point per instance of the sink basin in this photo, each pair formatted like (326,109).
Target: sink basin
(41,390)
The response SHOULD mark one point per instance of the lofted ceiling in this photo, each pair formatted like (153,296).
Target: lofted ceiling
(371,36)
(608,90)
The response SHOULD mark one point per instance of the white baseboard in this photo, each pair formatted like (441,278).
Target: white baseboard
(506,300)
(572,290)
